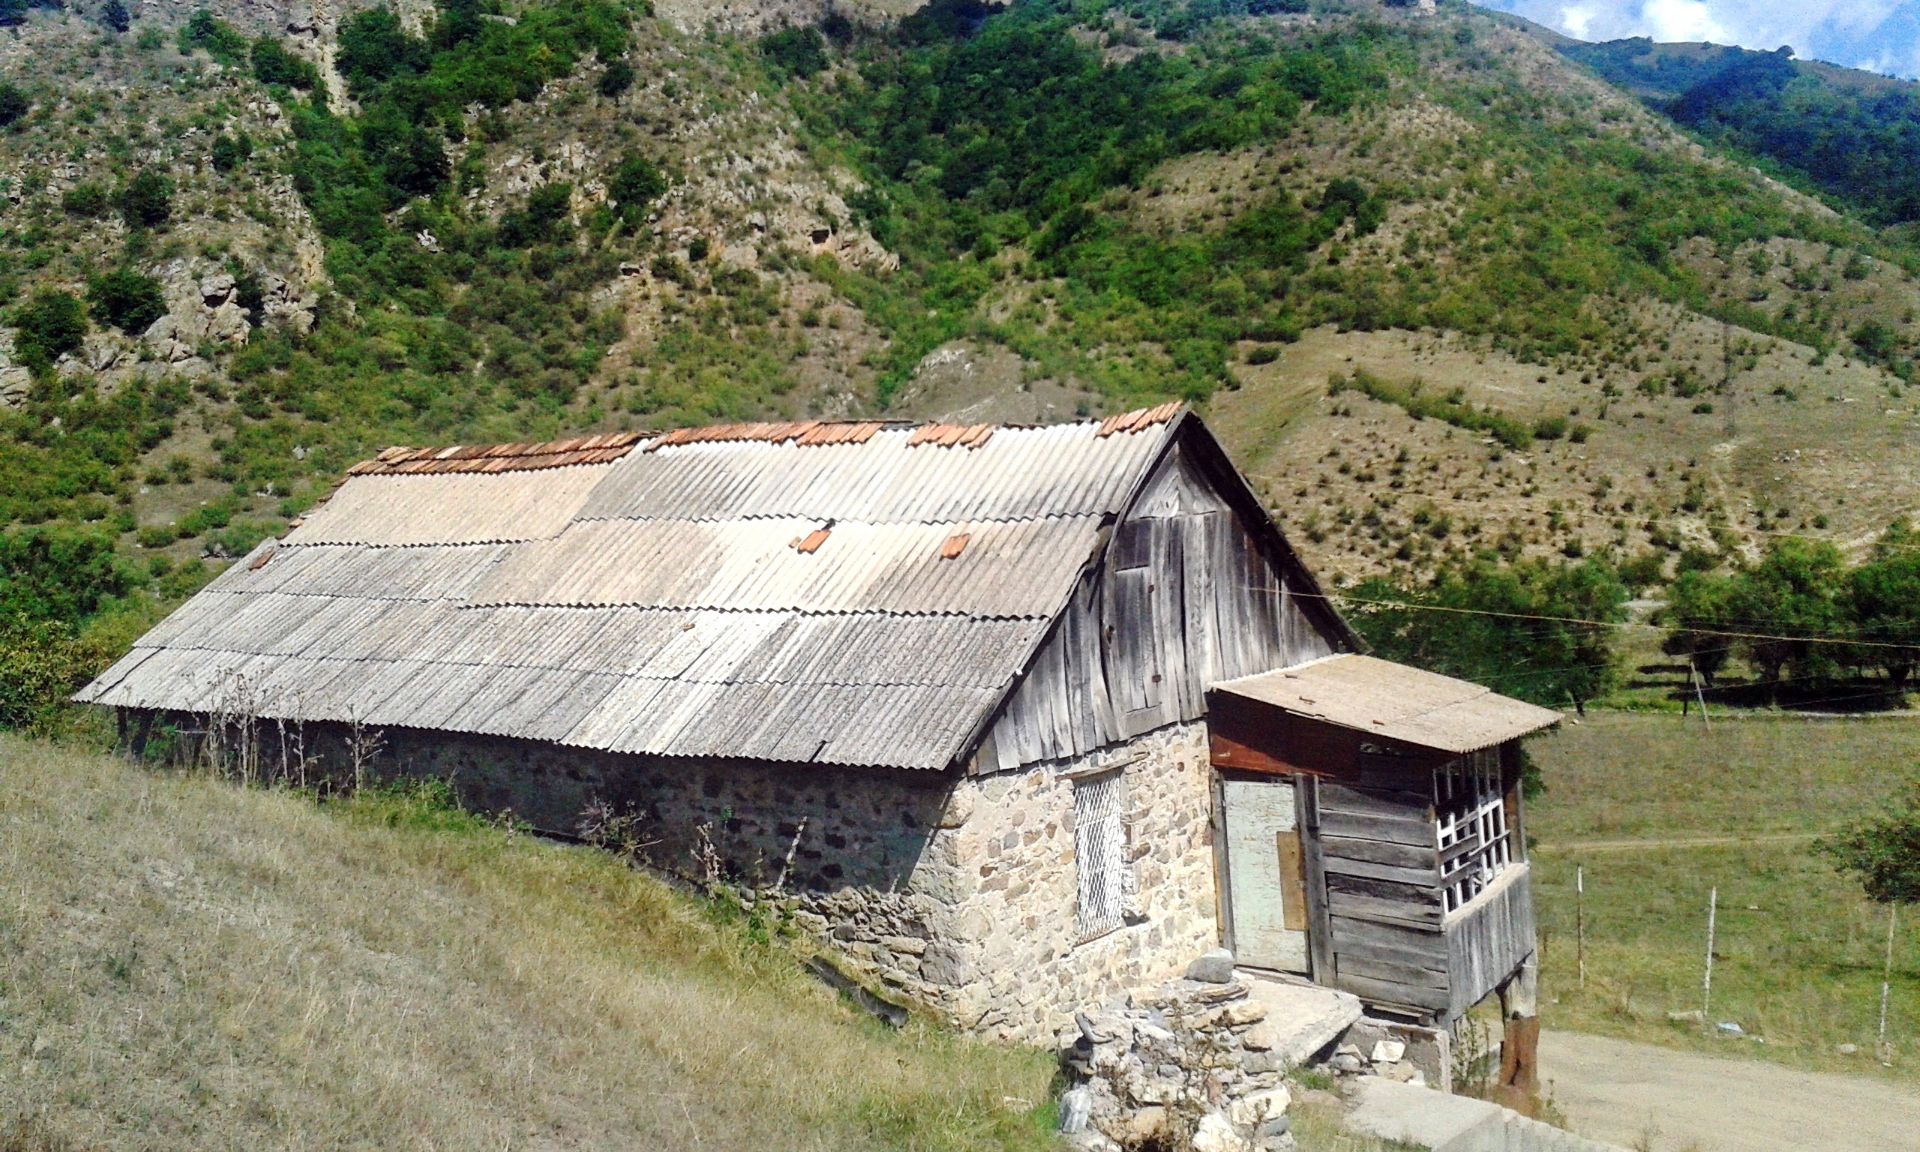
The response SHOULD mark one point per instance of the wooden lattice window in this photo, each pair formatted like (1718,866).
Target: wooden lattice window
(1100,854)
(1470,810)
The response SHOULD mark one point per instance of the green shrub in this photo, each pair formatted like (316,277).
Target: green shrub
(127,300)
(42,663)
(115,16)
(273,64)
(615,79)
(216,37)
(89,201)
(635,184)
(14,104)
(146,201)
(229,152)
(795,51)
(48,326)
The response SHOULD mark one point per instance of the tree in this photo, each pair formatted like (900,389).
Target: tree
(116,16)
(127,300)
(229,152)
(1698,616)
(1536,629)
(49,326)
(1794,596)
(14,104)
(1883,599)
(1883,851)
(374,48)
(146,201)
(635,183)
(615,79)
(216,37)
(273,64)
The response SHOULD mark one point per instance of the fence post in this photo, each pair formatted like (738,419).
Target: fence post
(1886,979)
(1580,921)
(1706,1004)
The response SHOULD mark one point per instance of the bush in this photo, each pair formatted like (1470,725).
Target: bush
(89,201)
(42,663)
(796,51)
(635,184)
(229,152)
(127,300)
(615,79)
(216,37)
(146,201)
(49,326)
(115,16)
(273,64)
(14,104)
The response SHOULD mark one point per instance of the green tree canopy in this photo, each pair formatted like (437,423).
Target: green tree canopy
(1884,602)
(1794,595)
(49,326)
(1536,629)
(1882,850)
(1699,616)
(14,104)
(127,300)
(147,200)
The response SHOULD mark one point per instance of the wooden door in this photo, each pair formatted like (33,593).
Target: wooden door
(1266,877)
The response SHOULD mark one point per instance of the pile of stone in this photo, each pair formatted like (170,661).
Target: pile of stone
(1191,1064)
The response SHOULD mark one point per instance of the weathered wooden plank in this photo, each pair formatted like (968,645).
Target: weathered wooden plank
(1381,852)
(1319,923)
(1389,993)
(1395,830)
(1372,908)
(1293,879)
(1377,967)
(1426,942)
(1422,893)
(1366,869)
(1412,957)
(1342,796)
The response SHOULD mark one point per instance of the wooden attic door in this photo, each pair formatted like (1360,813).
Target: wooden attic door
(1144,626)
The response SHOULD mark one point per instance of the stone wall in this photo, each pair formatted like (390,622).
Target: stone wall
(957,892)
(1013,836)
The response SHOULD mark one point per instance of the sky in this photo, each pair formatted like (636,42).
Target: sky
(1877,35)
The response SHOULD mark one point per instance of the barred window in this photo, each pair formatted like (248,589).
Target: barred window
(1471,812)
(1100,854)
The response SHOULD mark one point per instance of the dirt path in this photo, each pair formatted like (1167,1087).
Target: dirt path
(1642,1096)
(1628,845)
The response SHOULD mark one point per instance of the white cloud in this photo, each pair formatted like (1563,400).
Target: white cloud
(1670,20)
(1884,33)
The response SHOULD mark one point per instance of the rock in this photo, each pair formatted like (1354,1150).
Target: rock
(216,289)
(1216,967)
(944,965)
(1076,1106)
(1215,1133)
(1693,1017)
(1088,1031)
(1389,1052)
(1143,1126)
(1256,1108)
(1729,1028)
(1277,1126)
(1346,1064)
(1243,1013)
(1847,1049)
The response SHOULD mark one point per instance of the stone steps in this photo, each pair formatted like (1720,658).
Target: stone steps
(1387,1110)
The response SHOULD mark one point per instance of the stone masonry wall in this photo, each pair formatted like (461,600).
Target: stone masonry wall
(1014,839)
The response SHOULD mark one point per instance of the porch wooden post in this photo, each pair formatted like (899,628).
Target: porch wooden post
(1520,1046)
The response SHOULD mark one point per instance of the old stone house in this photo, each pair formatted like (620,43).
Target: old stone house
(1021,717)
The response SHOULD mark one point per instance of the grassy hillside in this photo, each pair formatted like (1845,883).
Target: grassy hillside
(186,964)
(1659,810)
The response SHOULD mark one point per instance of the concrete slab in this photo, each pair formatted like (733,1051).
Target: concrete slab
(1388,1110)
(1301,1018)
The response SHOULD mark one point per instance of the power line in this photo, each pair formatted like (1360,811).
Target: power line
(1725,634)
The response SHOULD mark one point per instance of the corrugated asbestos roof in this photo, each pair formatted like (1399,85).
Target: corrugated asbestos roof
(769,591)
(1395,703)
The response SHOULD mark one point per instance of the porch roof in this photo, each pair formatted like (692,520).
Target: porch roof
(1394,702)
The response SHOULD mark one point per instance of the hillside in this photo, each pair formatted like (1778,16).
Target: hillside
(245,249)
(188,964)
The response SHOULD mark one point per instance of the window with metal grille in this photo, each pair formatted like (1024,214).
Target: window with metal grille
(1470,810)
(1100,854)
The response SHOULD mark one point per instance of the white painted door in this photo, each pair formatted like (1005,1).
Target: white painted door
(1265,890)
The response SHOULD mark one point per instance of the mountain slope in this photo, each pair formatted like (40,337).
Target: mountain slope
(487,222)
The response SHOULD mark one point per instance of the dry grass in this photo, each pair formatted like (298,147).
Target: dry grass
(1799,949)
(184,964)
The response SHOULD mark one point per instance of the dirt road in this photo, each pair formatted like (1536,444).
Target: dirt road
(1642,1096)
